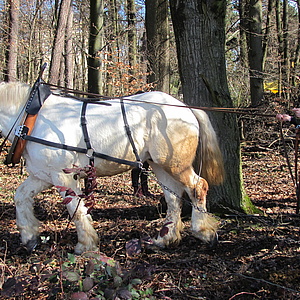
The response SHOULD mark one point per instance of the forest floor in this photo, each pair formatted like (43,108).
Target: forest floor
(258,256)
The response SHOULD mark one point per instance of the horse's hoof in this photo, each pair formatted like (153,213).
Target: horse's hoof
(31,244)
(81,248)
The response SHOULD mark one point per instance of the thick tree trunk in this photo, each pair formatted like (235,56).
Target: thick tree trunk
(12,47)
(199,28)
(95,82)
(59,42)
(158,44)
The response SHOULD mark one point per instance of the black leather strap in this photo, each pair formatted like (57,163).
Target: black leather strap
(84,126)
(128,131)
(133,164)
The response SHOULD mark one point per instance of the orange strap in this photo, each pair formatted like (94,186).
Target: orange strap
(29,122)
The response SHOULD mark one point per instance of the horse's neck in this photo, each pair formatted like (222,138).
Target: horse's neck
(12,99)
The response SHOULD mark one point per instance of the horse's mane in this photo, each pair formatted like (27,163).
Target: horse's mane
(13,95)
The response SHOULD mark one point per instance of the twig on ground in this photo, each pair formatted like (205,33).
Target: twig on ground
(267,282)
(242,293)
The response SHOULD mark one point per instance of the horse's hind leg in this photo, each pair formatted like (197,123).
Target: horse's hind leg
(27,223)
(170,232)
(203,225)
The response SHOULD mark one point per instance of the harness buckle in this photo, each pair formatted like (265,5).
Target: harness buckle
(21,131)
(90,153)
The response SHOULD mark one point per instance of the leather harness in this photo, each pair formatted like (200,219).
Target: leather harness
(39,93)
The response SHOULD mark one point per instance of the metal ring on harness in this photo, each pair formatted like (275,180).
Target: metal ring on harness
(90,153)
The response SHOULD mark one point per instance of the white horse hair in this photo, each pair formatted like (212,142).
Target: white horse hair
(165,136)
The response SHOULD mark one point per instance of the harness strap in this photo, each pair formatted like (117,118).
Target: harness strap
(128,131)
(81,150)
(85,132)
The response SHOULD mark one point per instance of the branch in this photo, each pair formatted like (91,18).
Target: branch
(267,282)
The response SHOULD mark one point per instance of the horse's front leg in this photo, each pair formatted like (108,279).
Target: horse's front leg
(27,223)
(170,233)
(171,230)
(87,236)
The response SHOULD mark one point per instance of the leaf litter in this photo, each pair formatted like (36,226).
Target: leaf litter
(257,256)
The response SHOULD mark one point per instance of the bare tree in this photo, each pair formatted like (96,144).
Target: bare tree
(95,83)
(12,47)
(157,28)
(255,53)
(243,33)
(59,42)
(132,45)
(69,52)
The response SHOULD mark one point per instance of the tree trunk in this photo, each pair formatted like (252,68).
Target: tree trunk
(297,51)
(255,52)
(12,47)
(286,56)
(59,42)
(268,30)
(280,43)
(243,34)
(69,57)
(112,46)
(199,28)
(158,44)
(132,47)
(95,84)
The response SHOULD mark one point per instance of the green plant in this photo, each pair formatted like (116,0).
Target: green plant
(97,275)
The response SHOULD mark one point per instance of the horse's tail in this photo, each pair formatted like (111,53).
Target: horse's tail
(209,160)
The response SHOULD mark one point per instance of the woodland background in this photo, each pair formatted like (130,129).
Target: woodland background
(135,48)
(116,48)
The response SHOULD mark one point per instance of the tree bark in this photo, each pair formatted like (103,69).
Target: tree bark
(69,56)
(12,47)
(286,56)
(112,47)
(243,34)
(199,28)
(59,42)
(271,4)
(132,46)
(158,44)
(255,52)
(280,43)
(297,51)
(95,78)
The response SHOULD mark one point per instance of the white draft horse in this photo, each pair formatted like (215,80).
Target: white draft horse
(165,136)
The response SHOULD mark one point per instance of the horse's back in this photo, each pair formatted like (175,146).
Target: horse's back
(157,129)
